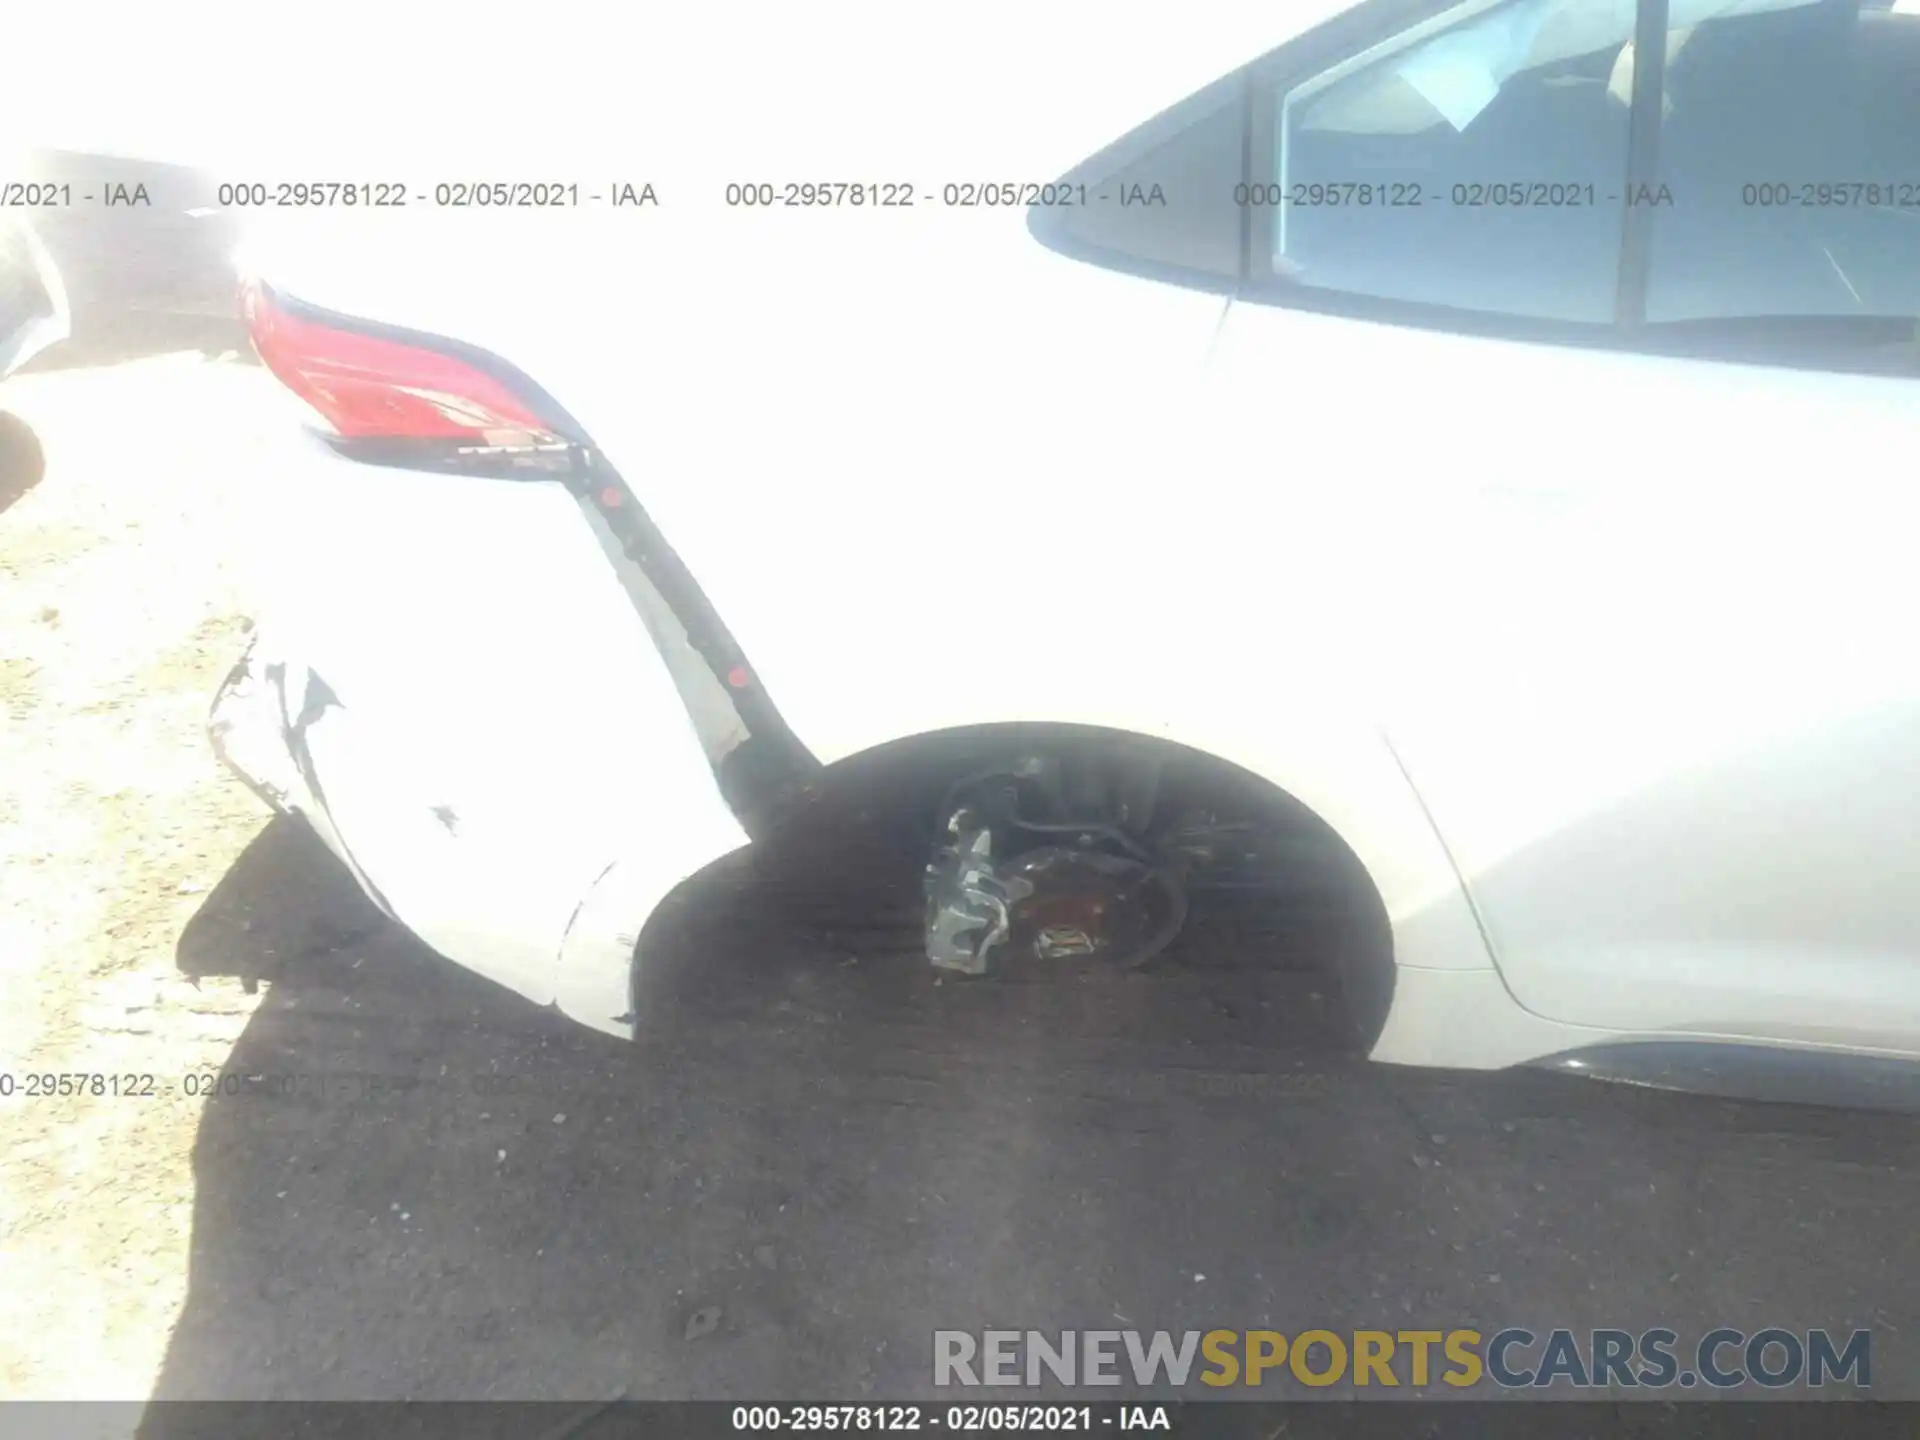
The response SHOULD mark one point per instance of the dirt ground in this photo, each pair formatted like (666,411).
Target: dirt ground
(425,1188)
(119,611)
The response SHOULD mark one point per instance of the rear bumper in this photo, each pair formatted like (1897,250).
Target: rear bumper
(516,893)
(529,730)
(251,732)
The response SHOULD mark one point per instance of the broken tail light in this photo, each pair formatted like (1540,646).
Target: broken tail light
(385,393)
(401,397)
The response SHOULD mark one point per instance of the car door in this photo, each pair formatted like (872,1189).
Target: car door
(1594,373)
(1663,705)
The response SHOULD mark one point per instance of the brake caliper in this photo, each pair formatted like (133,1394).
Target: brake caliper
(969,904)
(1049,862)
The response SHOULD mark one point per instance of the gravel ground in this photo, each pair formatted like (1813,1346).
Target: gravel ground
(423,1188)
(118,613)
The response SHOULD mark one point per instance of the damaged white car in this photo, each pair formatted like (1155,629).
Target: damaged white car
(33,299)
(1473,439)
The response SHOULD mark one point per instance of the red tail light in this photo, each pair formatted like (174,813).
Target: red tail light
(369,386)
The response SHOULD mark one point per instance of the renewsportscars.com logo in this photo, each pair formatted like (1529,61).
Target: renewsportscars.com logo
(1514,1358)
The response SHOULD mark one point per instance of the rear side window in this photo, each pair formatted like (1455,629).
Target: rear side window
(1515,162)
(1477,161)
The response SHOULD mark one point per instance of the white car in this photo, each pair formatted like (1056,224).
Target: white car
(33,298)
(33,316)
(1484,433)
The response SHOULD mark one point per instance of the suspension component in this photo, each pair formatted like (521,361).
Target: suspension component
(1041,859)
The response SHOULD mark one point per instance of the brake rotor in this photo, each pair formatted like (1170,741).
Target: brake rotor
(1084,904)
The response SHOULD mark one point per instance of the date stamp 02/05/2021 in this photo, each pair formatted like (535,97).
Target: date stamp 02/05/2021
(640,193)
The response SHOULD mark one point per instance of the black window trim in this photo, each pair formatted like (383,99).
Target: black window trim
(1650,24)
(1830,343)
(1049,224)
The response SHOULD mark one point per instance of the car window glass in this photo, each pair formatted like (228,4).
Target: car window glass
(1477,161)
(1168,208)
(1791,148)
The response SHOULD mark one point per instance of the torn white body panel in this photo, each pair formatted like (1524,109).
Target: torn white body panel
(1570,647)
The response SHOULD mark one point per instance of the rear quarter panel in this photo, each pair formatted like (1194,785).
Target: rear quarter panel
(930,473)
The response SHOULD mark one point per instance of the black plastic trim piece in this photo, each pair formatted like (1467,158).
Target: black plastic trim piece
(1748,1071)
(1644,123)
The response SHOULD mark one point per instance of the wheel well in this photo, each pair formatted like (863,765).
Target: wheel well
(1303,899)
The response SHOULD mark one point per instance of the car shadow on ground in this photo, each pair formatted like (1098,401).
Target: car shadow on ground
(411,1184)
